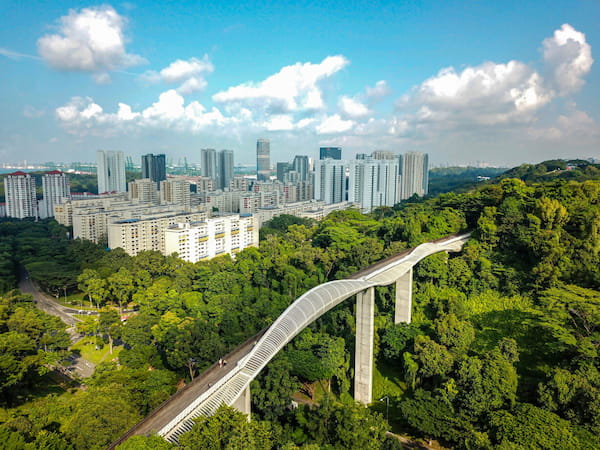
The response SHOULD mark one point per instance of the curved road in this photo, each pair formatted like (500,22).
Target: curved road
(80,366)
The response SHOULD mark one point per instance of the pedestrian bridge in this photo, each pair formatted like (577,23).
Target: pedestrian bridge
(231,385)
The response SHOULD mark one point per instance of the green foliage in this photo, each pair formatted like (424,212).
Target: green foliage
(146,443)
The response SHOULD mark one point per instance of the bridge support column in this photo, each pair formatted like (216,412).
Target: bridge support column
(403,309)
(242,403)
(365,322)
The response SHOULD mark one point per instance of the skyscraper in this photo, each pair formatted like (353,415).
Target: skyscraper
(208,163)
(330,180)
(19,190)
(154,167)
(225,168)
(111,171)
(300,165)
(263,160)
(55,186)
(282,169)
(330,152)
(414,173)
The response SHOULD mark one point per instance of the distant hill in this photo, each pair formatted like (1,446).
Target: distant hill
(446,179)
(573,169)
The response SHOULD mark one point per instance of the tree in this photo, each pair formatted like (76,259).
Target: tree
(93,286)
(109,322)
(273,389)
(434,359)
(121,286)
(456,335)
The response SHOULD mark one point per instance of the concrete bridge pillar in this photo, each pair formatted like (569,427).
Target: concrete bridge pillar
(242,403)
(403,309)
(365,323)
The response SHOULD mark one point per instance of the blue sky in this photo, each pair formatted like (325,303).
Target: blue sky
(466,81)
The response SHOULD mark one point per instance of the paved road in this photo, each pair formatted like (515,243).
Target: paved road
(80,366)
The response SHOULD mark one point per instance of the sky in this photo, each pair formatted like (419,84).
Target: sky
(466,81)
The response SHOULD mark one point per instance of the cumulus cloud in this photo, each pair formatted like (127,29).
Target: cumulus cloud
(351,108)
(82,116)
(378,92)
(334,124)
(293,88)
(189,74)
(569,58)
(89,40)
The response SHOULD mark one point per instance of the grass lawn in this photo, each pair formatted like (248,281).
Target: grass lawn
(87,348)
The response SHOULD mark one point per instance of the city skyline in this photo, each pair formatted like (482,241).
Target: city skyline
(464,82)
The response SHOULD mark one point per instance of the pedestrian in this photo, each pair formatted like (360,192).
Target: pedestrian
(220,362)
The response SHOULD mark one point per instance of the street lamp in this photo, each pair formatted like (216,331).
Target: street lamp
(387,407)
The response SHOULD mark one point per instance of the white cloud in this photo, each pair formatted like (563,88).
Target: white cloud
(293,88)
(353,109)
(378,92)
(334,124)
(190,74)
(90,40)
(569,58)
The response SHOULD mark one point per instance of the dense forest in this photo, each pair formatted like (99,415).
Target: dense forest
(502,351)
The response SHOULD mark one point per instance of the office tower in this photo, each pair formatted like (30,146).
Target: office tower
(330,180)
(383,154)
(373,183)
(361,156)
(263,160)
(143,191)
(282,169)
(55,187)
(414,172)
(300,165)
(19,191)
(154,167)
(208,163)
(330,152)
(111,171)
(225,168)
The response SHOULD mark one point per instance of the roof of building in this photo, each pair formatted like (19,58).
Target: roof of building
(18,173)
(54,172)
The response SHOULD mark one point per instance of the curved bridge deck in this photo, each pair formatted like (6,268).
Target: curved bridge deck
(226,384)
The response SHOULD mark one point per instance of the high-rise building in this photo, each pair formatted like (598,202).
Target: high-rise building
(373,183)
(263,160)
(176,191)
(383,154)
(154,167)
(208,163)
(282,169)
(19,190)
(143,191)
(414,173)
(330,152)
(56,188)
(330,180)
(225,168)
(111,171)
(300,165)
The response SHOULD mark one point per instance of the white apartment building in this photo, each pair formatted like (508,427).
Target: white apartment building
(330,180)
(414,171)
(146,232)
(63,212)
(312,209)
(198,241)
(111,171)
(373,183)
(56,189)
(224,201)
(21,200)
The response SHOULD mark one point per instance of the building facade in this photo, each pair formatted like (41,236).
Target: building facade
(202,240)
(263,160)
(373,183)
(143,191)
(301,165)
(111,171)
(414,174)
(154,167)
(21,200)
(225,172)
(330,180)
(56,189)
(330,152)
